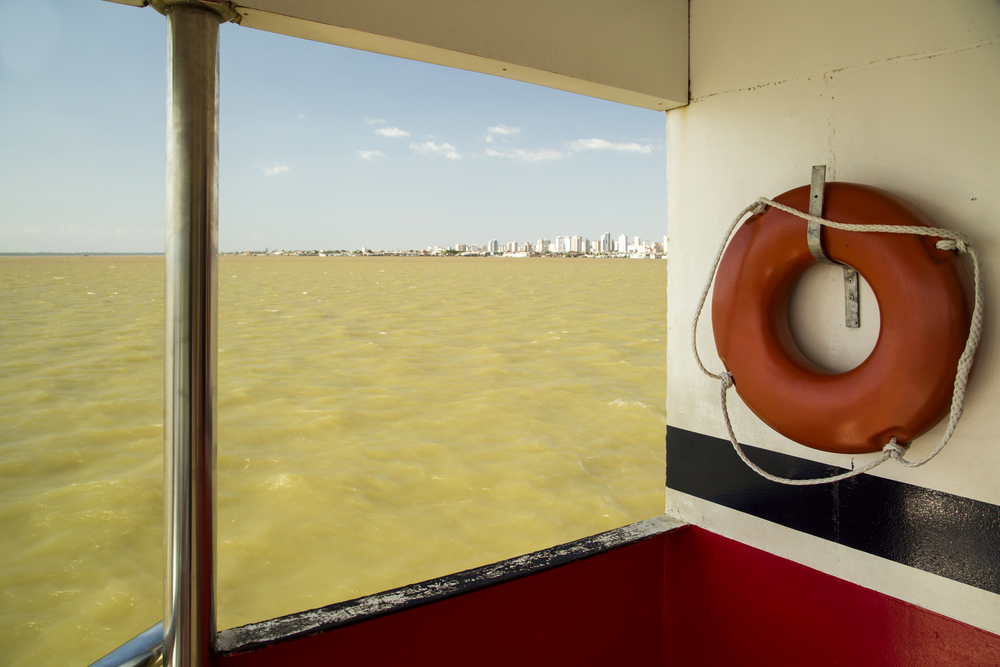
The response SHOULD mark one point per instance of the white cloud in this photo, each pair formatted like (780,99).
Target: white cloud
(300,116)
(503,129)
(374,121)
(429,147)
(602,144)
(392,132)
(526,155)
(500,129)
(370,155)
(276,170)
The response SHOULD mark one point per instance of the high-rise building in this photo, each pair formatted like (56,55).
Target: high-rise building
(542,246)
(576,244)
(493,246)
(605,243)
(622,244)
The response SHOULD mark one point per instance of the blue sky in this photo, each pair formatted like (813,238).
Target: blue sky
(320,146)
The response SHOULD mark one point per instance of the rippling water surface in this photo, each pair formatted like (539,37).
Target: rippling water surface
(381,421)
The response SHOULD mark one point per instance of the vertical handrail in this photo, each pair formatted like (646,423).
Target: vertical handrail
(187,635)
(191,337)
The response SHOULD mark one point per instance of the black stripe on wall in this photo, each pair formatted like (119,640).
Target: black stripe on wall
(947,535)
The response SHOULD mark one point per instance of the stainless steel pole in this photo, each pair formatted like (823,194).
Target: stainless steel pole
(189,422)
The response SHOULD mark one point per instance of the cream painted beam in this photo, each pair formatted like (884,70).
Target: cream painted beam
(629,51)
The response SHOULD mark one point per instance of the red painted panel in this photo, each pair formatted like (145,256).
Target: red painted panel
(604,610)
(685,598)
(729,604)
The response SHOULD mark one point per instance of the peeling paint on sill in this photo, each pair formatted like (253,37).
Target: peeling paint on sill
(302,624)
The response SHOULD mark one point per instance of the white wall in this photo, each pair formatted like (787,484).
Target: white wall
(901,95)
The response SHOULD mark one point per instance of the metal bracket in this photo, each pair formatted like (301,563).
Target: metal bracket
(224,9)
(852,293)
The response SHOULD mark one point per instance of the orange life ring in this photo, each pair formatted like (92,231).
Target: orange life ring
(904,387)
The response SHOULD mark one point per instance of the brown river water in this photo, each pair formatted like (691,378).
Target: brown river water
(382,421)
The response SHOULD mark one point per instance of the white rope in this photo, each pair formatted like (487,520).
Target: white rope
(952,240)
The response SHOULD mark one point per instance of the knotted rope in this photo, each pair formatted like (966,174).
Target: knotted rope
(951,240)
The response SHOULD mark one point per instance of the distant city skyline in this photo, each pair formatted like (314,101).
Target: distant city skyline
(320,146)
(561,245)
(566,244)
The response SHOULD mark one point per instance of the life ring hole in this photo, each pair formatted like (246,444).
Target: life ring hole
(817,321)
